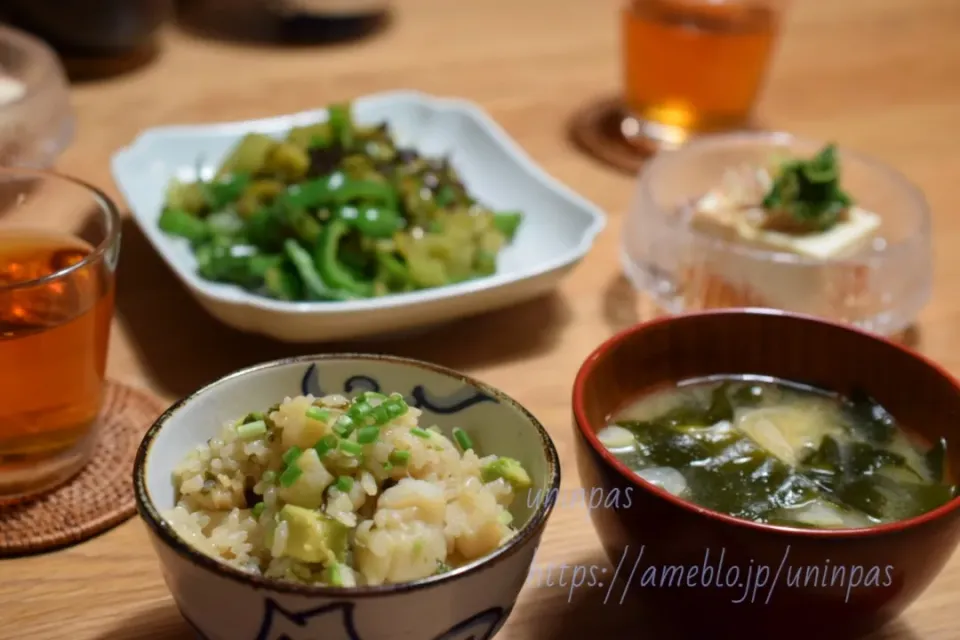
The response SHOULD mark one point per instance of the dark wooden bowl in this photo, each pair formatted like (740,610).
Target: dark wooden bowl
(893,563)
(90,27)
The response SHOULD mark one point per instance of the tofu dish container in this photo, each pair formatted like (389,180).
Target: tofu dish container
(769,220)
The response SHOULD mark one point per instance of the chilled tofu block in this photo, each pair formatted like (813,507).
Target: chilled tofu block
(714,216)
(781,285)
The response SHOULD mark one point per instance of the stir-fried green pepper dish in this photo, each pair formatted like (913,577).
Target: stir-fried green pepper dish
(335,211)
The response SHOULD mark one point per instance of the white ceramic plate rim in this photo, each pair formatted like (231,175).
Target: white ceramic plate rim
(238,296)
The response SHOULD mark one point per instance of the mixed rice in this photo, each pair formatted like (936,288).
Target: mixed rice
(343,492)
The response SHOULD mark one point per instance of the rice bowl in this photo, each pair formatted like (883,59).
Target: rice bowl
(196,480)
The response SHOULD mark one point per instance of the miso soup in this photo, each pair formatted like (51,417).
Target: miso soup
(780,453)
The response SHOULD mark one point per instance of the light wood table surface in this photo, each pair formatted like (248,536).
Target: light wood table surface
(877,75)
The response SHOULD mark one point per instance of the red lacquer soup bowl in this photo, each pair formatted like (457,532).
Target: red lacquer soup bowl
(705,573)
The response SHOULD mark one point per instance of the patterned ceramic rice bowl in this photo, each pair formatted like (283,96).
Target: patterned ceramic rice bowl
(346,496)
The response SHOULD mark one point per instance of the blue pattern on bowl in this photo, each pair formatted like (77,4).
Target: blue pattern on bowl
(281,624)
(418,397)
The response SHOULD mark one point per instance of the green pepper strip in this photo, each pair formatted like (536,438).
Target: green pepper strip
(507,223)
(367,191)
(341,125)
(177,222)
(280,283)
(314,283)
(309,194)
(329,265)
(220,193)
(338,190)
(391,267)
(373,222)
(217,262)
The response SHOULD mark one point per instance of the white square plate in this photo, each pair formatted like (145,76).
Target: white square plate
(558,228)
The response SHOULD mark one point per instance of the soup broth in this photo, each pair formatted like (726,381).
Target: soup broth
(780,453)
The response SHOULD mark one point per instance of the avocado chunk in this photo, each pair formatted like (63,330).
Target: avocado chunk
(313,536)
(508,469)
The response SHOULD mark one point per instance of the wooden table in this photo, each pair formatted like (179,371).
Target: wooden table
(877,75)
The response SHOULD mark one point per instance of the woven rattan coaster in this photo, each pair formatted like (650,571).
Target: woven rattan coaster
(96,499)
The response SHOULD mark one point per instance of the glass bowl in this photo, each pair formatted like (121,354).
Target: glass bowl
(881,289)
(36,120)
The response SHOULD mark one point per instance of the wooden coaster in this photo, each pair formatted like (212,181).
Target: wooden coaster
(96,499)
(598,129)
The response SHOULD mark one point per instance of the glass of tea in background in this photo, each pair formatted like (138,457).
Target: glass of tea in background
(59,242)
(694,66)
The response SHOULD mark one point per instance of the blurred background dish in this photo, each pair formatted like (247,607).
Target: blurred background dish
(90,27)
(95,39)
(279,22)
(36,119)
(327,20)
(877,276)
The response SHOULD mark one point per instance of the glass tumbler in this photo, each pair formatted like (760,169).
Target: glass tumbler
(59,243)
(692,66)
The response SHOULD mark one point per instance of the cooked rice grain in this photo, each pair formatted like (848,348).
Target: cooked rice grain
(405,520)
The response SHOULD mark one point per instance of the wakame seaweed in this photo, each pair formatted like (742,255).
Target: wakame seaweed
(859,464)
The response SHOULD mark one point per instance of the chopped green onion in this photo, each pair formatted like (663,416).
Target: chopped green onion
(326,444)
(290,475)
(388,467)
(420,433)
(505,517)
(344,426)
(252,430)
(462,439)
(316,413)
(350,448)
(292,454)
(344,483)
(253,416)
(366,435)
(258,509)
(333,575)
(359,411)
(396,406)
(268,477)
(380,415)
(367,396)
(399,457)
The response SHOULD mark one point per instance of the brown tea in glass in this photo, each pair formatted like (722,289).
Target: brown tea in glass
(692,66)
(59,241)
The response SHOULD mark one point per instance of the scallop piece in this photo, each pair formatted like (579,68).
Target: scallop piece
(667,478)
(616,438)
(425,501)
(398,554)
